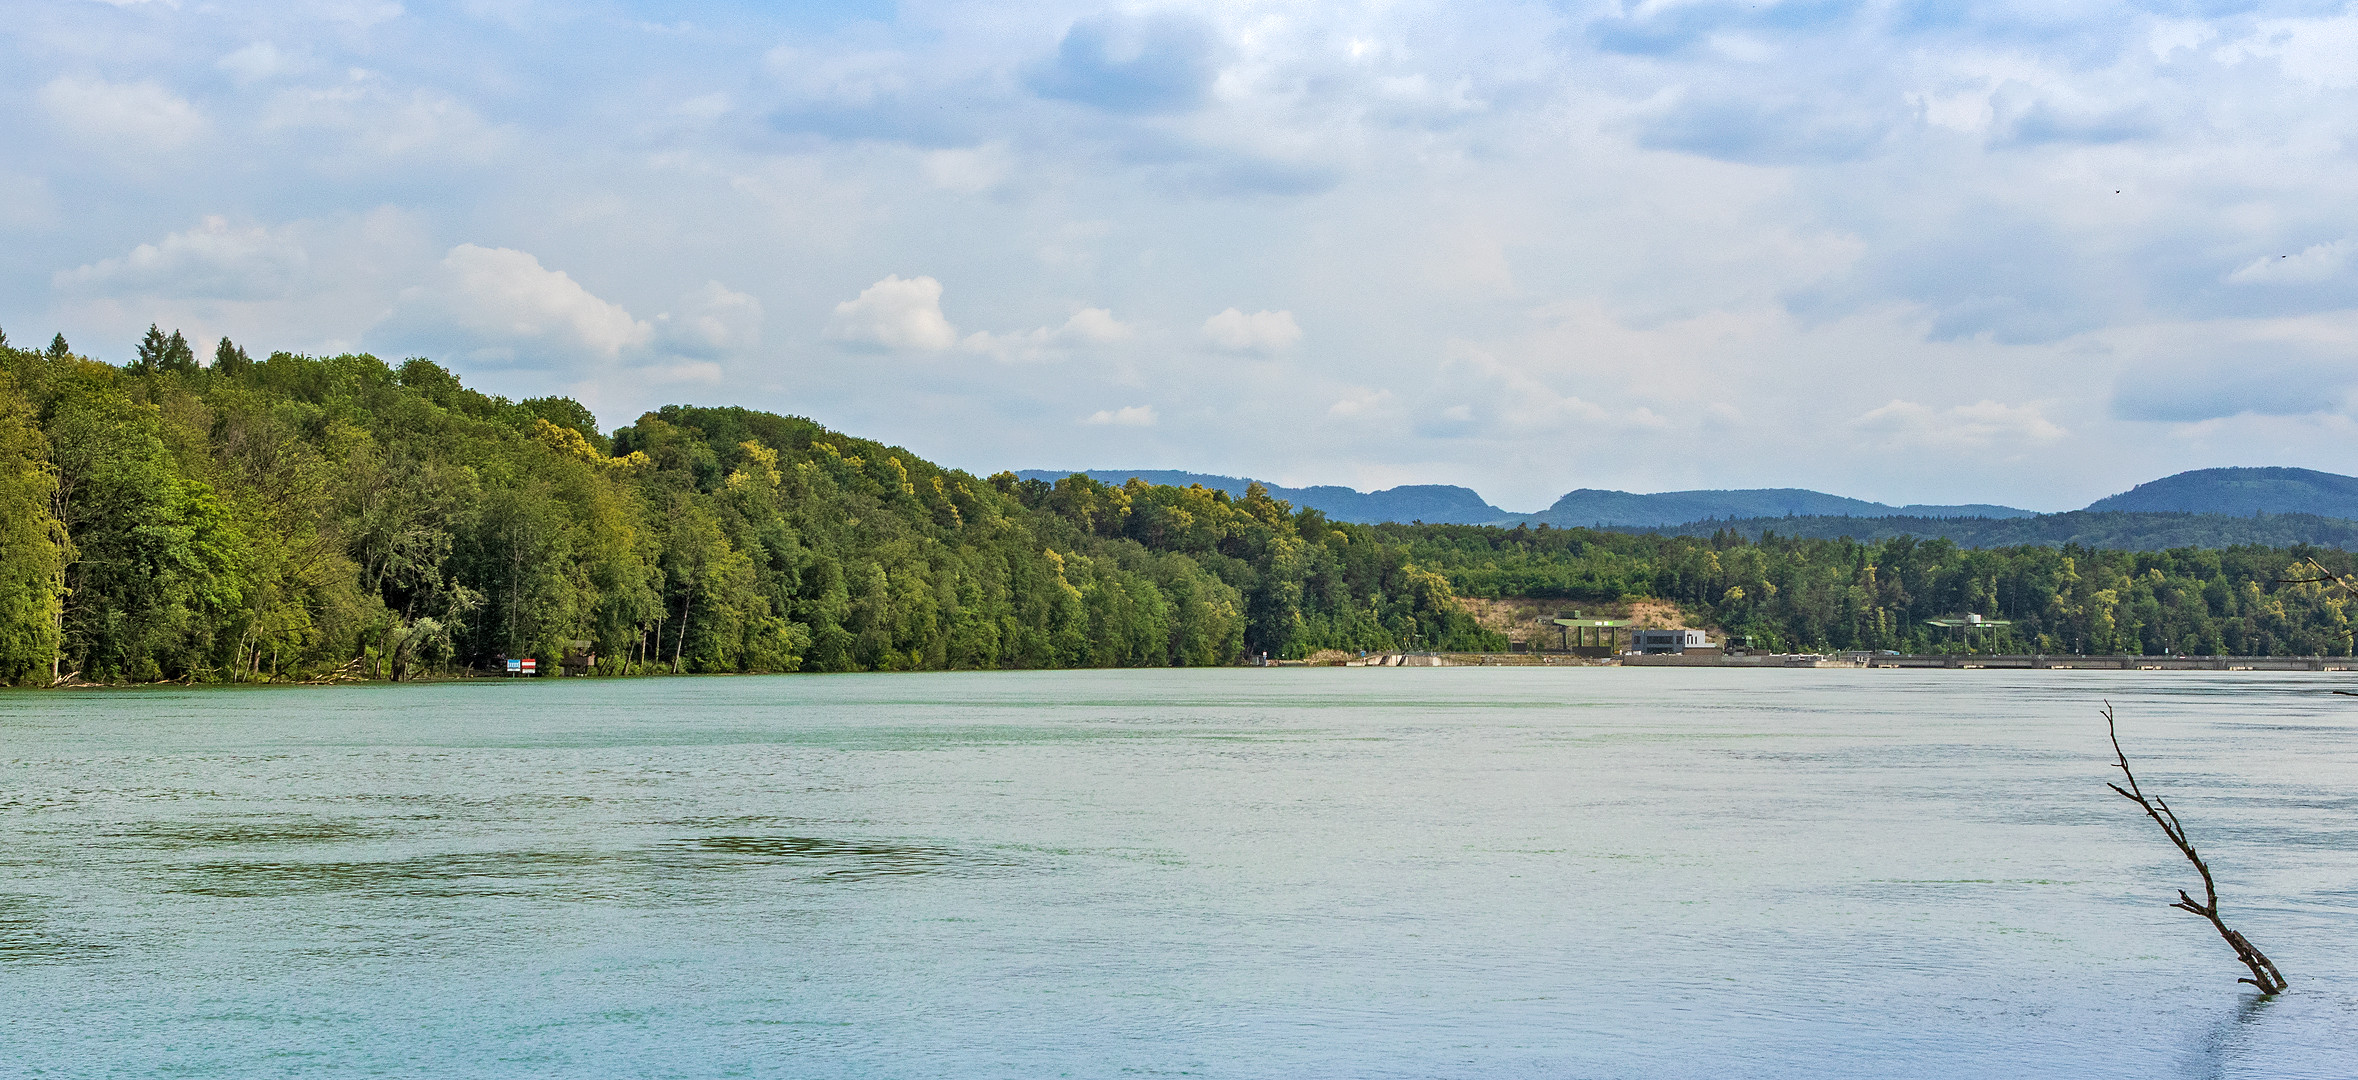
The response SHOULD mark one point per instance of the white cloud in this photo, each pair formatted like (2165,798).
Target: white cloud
(1088,327)
(132,117)
(968,171)
(2315,263)
(211,261)
(895,313)
(1364,401)
(377,121)
(256,62)
(501,305)
(1634,214)
(711,321)
(1261,331)
(1129,416)
(1981,425)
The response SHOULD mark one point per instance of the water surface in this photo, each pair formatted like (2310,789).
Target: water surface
(1241,873)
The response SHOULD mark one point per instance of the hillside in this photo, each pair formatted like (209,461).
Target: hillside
(2241,491)
(1439,503)
(2119,531)
(1590,507)
(299,518)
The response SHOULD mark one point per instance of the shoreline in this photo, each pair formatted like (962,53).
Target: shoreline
(1910,661)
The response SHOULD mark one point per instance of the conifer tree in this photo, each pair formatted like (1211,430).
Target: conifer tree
(228,359)
(178,357)
(58,349)
(151,350)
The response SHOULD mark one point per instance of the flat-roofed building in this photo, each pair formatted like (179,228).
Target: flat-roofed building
(1667,641)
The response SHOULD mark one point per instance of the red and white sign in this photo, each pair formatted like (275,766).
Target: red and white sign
(530,666)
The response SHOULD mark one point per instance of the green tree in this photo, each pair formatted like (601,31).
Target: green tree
(178,358)
(33,544)
(152,351)
(230,360)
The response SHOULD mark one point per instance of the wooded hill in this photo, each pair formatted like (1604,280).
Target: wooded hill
(300,517)
(1817,594)
(297,518)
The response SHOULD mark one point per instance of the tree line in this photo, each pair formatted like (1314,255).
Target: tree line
(297,517)
(1821,594)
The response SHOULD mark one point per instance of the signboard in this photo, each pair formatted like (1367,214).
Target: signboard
(515,666)
(531,666)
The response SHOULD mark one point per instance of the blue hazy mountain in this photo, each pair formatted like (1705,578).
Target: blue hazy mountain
(1593,507)
(2241,492)
(1441,504)
(2237,492)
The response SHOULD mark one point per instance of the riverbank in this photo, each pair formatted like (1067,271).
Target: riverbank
(1951,661)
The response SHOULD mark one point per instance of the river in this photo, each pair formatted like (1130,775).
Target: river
(1480,873)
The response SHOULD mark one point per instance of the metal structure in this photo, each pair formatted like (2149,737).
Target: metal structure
(1589,637)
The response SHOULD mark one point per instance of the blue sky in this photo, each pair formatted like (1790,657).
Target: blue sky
(2030,253)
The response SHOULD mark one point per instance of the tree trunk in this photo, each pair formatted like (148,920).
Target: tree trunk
(680,643)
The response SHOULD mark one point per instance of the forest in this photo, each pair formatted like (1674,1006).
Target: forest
(1825,594)
(299,518)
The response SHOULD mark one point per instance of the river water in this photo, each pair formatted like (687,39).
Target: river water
(1585,872)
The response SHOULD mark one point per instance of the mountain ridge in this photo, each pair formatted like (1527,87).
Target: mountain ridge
(2231,491)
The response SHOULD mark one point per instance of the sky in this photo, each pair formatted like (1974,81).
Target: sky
(2029,253)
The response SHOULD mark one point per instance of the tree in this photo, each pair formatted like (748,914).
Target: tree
(152,350)
(230,360)
(179,359)
(32,545)
(2263,970)
(58,349)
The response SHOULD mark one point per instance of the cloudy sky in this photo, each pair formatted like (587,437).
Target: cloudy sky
(2027,252)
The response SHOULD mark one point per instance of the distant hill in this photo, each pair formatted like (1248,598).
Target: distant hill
(1620,509)
(1441,504)
(2305,506)
(2242,491)
(2117,530)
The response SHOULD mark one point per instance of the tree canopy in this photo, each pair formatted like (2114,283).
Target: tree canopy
(281,518)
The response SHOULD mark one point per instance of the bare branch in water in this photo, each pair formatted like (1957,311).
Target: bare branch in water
(2264,974)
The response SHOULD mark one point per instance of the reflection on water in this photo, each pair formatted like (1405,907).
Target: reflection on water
(211,832)
(1353,873)
(840,858)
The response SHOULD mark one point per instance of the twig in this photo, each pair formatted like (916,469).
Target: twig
(2264,973)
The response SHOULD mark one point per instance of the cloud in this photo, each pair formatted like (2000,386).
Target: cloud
(712,321)
(896,314)
(378,122)
(256,62)
(968,171)
(1983,424)
(1130,416)
(1260,332)
(1760,130)
(1365,401)
(211,261)
(2300,366)
(500,305)
(1086,328)
(1157,63)
(133,117)
(2313,264)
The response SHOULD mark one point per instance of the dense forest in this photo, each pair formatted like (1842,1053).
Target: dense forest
(2121,529)
(1816,594)
(297,517)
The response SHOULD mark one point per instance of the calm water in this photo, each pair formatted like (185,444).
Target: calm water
(1240,873)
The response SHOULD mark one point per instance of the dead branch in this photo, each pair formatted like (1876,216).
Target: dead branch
(2324,576)
(350,672)
(2264,974)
